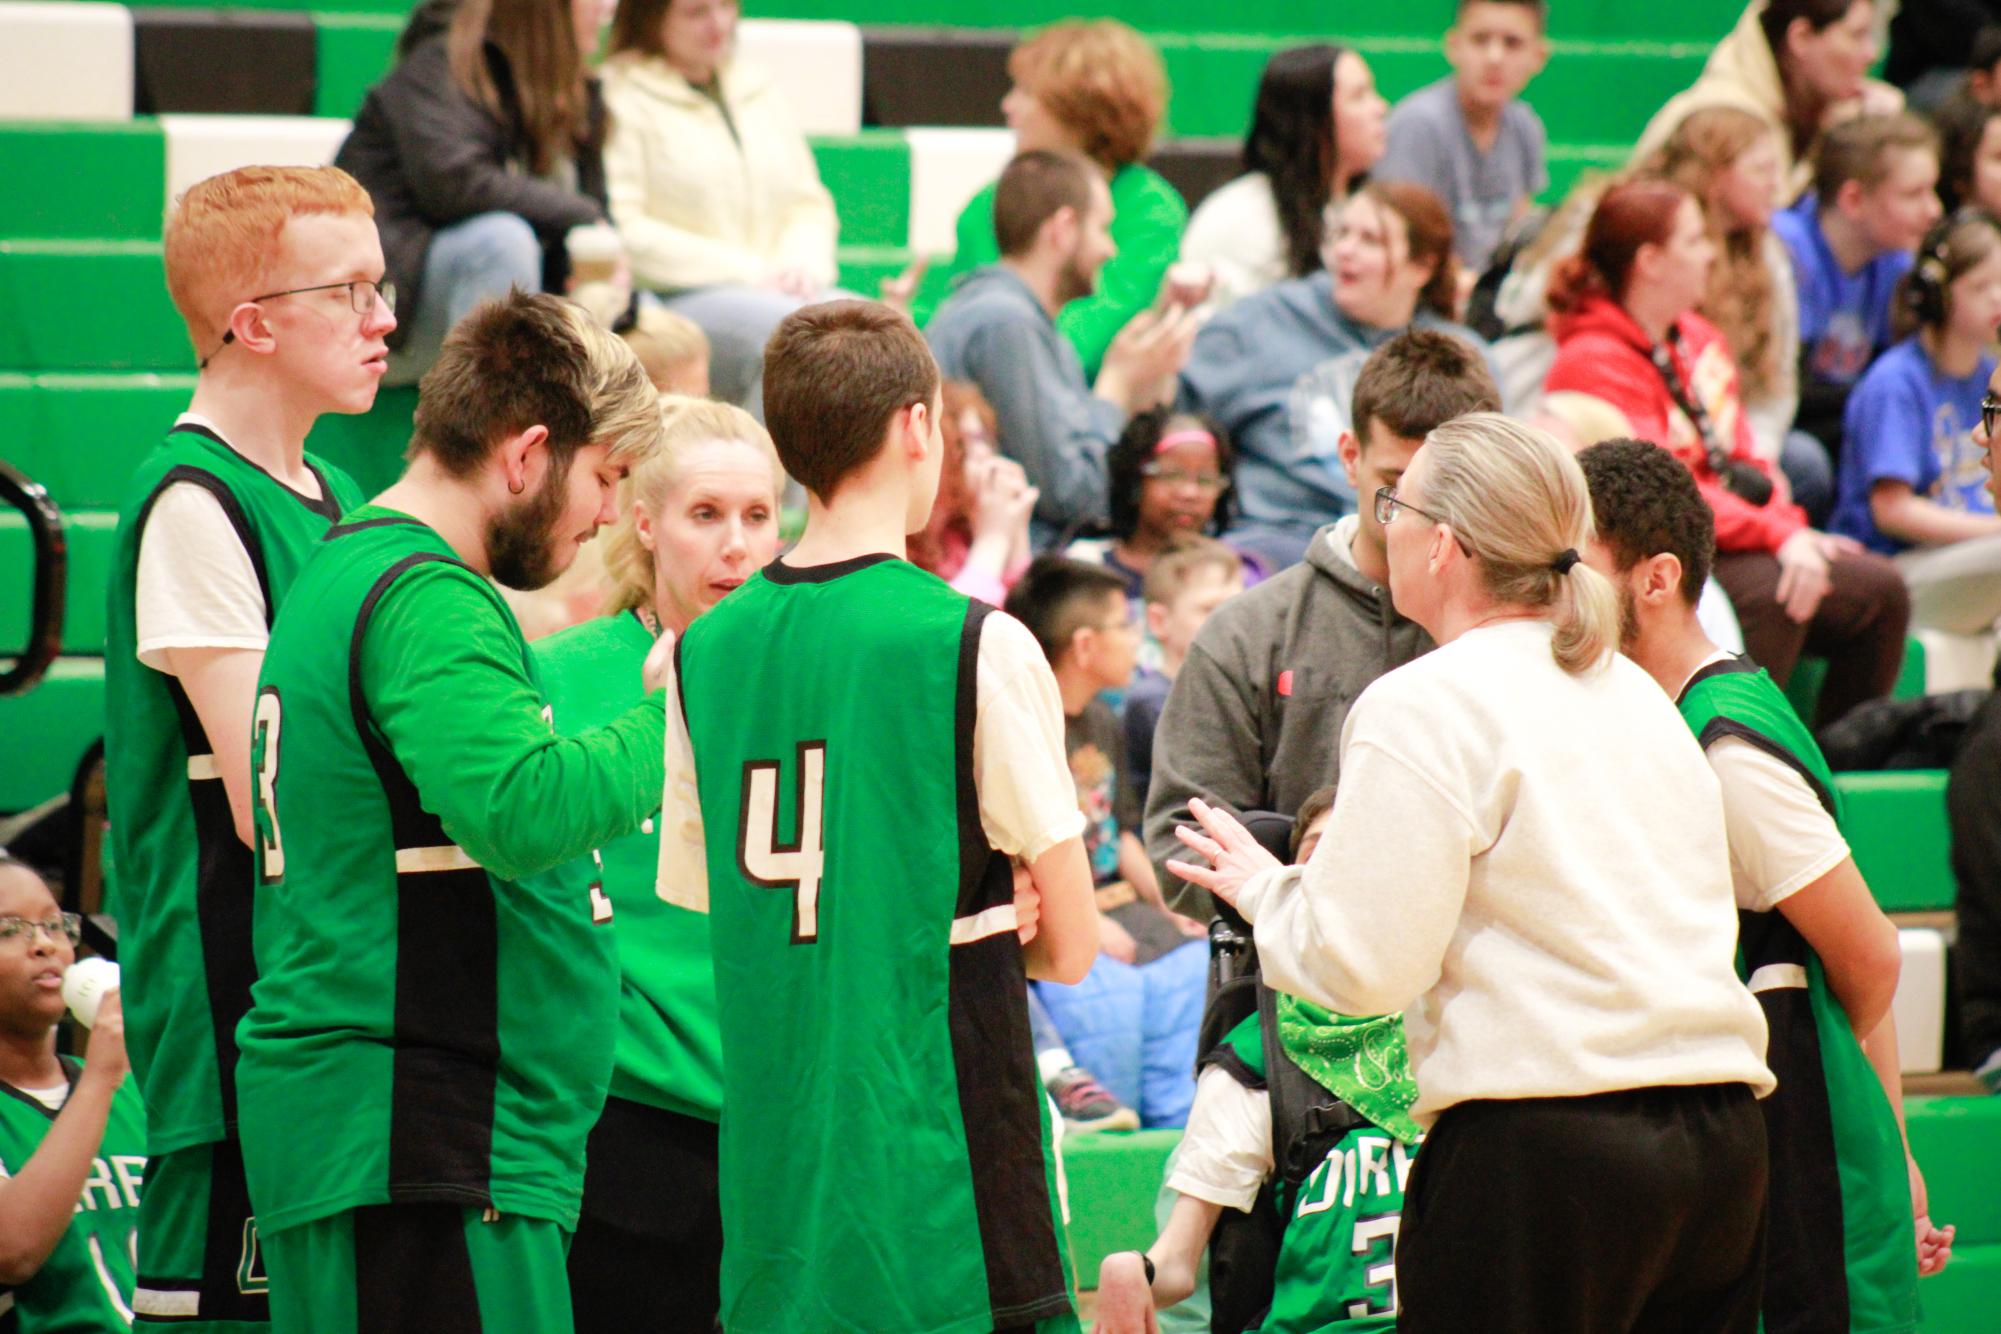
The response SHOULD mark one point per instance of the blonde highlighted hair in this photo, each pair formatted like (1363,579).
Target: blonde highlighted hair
(665,343)
(1518,501)
(221,237)
(1102,80)
(683,423)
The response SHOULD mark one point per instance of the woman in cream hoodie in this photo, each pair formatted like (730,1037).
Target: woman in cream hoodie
(712,185)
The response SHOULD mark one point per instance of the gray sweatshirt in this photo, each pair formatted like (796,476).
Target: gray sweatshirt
(993,331)
(1254,719)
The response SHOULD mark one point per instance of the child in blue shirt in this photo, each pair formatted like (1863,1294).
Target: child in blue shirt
(1912,482)
(1851,240)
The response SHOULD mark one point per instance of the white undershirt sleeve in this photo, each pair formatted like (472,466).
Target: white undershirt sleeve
(1781,838)
(1226,1152)
(196,586)
(1028,801)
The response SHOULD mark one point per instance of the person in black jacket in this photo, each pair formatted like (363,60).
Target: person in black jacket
(1928,46)
(482,151)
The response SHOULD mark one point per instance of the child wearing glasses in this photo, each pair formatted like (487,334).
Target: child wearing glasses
(72,1133)
(1912,483)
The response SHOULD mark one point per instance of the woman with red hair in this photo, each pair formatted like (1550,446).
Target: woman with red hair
(1623,314)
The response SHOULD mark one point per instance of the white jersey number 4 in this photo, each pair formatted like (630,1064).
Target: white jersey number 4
(766,860)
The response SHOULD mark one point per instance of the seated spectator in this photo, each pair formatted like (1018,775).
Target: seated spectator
(1316,130)
(698,515)
(1169,476)
(482,151)
(977,537)
(1338,1225)
(1928,48)
(1627,331)
(1851,241)
(1096,89)
(1132,1022)
(1911,482)
(1254,718)
(72,1133)
(713,187)
(1800,65)
(1469,138)
(1053,214)
(1969,173)
(1729,160)
(1276,370)
(1182,588)
(673,350)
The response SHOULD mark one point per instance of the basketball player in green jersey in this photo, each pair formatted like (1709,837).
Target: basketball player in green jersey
(1815,949)
(430,1033)
(872,750)
(72,1134)
(277,272)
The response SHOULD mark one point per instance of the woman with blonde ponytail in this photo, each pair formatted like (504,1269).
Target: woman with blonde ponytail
(1552,914)
(698,515)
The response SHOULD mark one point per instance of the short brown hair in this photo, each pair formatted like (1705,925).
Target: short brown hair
(1428,229)
(1176,568)
(1032,189)
(527,360)
(1859,150)
(1419,380)
(1057,596)
(1102,80)
(221,237)
(835,374)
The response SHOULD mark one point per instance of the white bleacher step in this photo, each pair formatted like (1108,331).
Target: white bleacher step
(1919,1008)
(817,64)
(69,61)
(947,168)
(199,147)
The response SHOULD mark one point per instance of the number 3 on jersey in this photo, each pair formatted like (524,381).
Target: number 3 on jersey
(763,858)
(264,729)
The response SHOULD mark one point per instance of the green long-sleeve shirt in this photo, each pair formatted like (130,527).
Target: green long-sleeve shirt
(1148,217)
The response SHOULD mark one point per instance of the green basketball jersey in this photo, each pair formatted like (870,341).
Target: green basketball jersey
(437,987)
(1840,1196)
(182,889)
(85,1285)
(669,1051)
(1336,1267)
(885,1154)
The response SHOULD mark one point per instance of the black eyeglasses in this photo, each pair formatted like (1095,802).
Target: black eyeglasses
(1990,412)
(1388,503)
(362,296)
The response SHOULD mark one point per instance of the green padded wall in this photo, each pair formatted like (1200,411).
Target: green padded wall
(87,305)
(869,176)
(1113,1179)
(96,180)
(88,535)
(81,435)
(355,51)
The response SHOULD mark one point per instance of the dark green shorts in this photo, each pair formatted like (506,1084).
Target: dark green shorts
(199,1267)
(420,1269)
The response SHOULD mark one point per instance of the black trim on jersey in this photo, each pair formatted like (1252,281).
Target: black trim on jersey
(778,572)
(413,1270)
(1720,726)
(1735,664)
(1224,1057)
(445,1070)
(70,1072)
(230,1256)
(1000,1090)
(225,871)
(327,507)
(343,529)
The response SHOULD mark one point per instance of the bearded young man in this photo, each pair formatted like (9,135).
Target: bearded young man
(413,1111)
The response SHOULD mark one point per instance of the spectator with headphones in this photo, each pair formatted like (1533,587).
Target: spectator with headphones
(1912,484)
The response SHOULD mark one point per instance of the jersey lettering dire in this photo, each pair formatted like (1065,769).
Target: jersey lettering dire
(181,891)
(86,1283)
(423,1031)
(1840,1194)
(885,1155)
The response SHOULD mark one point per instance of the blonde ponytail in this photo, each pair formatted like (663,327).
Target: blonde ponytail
(1519,502)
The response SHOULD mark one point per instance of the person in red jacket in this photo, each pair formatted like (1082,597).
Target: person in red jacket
(1623,314)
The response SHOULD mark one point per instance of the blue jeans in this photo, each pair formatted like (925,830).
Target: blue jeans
(482,257)
(1810,473)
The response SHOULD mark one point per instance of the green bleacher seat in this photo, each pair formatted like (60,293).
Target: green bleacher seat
(88,535)
(47,731)
(99,180)
(87,305)
(869,176)
(1811,674)
(355,51)
(1957,1142)
(81,435)
(1113,1179)
(1966,1298)
(1895,825)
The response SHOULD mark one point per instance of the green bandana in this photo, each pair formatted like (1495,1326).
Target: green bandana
(1361,1061)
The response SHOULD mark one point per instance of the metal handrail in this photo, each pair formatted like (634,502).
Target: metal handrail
(45,525)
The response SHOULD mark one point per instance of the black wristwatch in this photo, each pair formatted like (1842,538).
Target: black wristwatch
(1146,1260)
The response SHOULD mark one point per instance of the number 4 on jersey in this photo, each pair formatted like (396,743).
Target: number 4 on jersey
(763,858)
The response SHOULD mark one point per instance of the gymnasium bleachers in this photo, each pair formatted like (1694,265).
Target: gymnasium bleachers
(106,111)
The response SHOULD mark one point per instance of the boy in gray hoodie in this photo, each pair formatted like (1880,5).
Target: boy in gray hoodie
(1254,719)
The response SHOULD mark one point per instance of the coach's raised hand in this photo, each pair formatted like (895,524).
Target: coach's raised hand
(1234,855)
